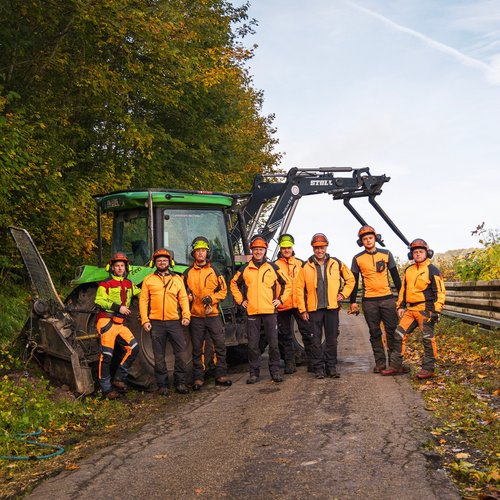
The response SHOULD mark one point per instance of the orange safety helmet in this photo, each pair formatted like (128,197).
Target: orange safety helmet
(119,257)
(364,230)
(420,243)
(258,241)
(319,240)
(162,252)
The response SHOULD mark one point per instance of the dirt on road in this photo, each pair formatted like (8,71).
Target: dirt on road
(359,436)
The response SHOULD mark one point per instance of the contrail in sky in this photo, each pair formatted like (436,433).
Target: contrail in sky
(492,72)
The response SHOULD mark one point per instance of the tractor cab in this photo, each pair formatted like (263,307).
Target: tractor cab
(144,221)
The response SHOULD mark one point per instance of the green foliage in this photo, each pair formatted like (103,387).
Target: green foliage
(99,96)
(14,310)
(28,403)
(482,263)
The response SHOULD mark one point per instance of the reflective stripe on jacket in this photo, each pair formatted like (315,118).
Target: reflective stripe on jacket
(422,288)
(163,298)
(202,282)
(291,267)
(112,293)
(260,285)
(307,283)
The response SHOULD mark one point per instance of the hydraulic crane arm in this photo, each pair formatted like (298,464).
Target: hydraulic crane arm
(304,182)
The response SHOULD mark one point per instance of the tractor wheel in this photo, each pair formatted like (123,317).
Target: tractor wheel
(298,344)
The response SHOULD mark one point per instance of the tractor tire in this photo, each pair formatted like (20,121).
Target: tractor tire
(298,344)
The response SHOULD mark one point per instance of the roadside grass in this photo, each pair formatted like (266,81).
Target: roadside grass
(28,402)
(465,399)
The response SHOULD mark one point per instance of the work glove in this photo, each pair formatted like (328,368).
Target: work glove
(431,316)
(207,301)
(435,316)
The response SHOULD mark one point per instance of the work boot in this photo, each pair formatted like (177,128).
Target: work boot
(223,381)
(319,375)
(277,377)
(253,379)
(423,374)
(198,384)
(112,395)
(163,391)
(333,374)
(120,386)
(290,368)
(182,389)
(392,371)
(378,368)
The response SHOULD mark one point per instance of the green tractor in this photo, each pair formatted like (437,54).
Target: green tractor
(142,221)
(64,334)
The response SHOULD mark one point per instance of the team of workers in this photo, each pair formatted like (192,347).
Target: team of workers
(272,293)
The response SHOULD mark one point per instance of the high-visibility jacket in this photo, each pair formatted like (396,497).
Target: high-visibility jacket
(374,268)
(338,278)
(422,288)
(163,297)
(291,267)
(260,284)
(203,281)
(112,293)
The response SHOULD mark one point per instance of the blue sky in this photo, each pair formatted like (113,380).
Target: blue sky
(409,88)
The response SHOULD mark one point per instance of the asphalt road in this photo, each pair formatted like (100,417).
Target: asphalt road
(354,437)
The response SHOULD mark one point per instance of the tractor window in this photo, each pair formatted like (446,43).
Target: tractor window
(181,226)
(131,235)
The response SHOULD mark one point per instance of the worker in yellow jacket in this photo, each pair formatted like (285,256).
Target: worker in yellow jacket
(291,266)
(260,287)
(420,302)
(206,288)
(323,284)
(164,308)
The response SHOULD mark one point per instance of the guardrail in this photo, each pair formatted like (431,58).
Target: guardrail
(474,301)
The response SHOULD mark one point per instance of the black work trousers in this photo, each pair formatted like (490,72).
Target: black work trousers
(201,329)
(172,331)
(285,334)
(324,357)
(376,312)
(267,322)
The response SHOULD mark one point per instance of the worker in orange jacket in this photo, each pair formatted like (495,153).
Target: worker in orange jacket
(206,288)
(420,302)
(260,287)
(319,294)
(291,266)
(164,308)
(113,298)
(379,306)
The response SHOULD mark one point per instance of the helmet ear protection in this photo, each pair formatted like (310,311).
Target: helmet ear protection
(258,241)
(162,252)
(118,257)
(201,242)
(364,230)
(420,243)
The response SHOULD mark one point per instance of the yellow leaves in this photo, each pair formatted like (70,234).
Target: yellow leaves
(481,375)
(462,455)
(71,466)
